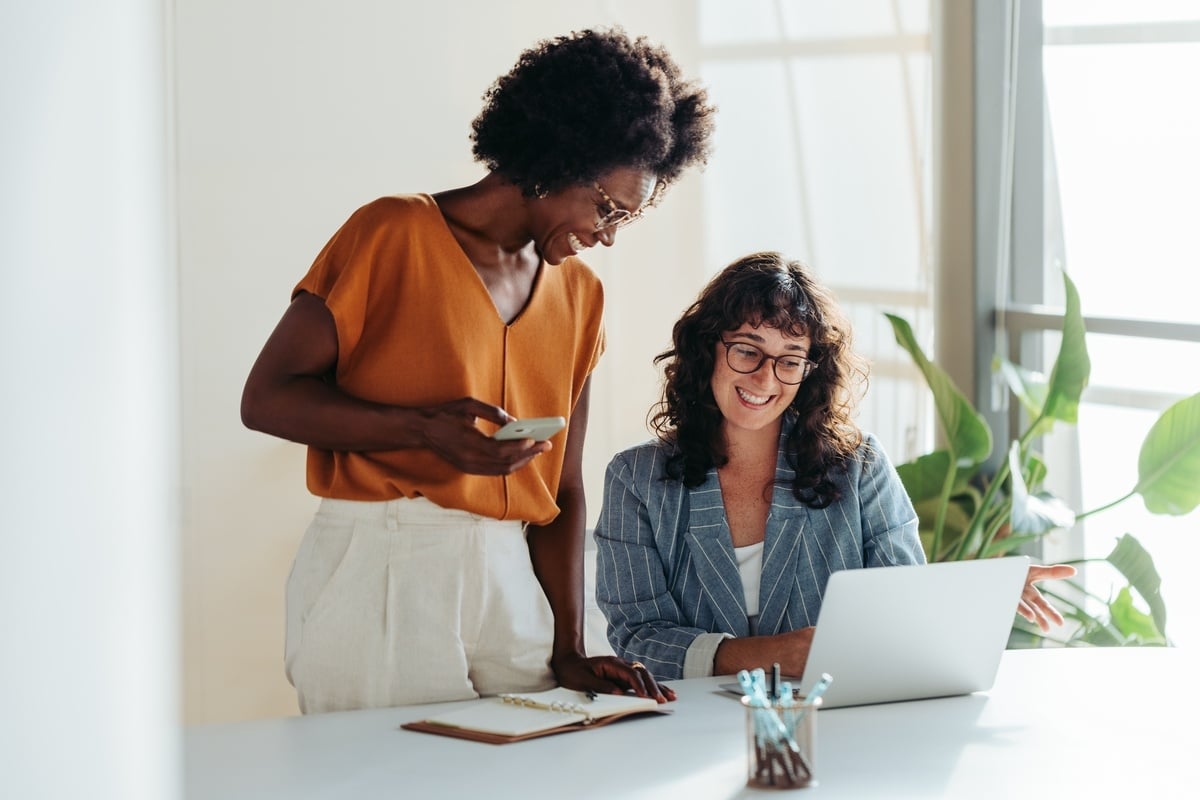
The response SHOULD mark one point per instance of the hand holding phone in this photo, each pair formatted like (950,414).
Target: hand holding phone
(537,428)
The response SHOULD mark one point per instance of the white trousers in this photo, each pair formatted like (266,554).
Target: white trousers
(399,602)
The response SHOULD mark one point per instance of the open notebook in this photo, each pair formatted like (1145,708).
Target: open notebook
(513,718)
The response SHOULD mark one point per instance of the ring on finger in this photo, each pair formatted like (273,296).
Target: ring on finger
(638,665)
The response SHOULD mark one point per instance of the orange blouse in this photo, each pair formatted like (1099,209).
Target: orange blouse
(416,326)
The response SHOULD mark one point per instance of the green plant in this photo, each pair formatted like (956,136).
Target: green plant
(966,513)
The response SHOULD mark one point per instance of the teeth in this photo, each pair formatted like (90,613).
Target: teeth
(752,398)
(576,245)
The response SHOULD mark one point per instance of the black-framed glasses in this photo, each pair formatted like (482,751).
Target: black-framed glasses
(617,217)
(746,358)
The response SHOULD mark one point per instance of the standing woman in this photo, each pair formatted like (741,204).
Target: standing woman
(443,564)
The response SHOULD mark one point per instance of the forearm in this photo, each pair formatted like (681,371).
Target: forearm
(789,649)
(312,411)
(556,550)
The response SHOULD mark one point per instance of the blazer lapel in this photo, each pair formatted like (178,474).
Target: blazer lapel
(785,528)
(712,556)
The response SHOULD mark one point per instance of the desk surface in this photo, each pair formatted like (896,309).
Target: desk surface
(1054,725)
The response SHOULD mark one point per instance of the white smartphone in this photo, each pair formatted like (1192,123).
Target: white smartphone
(537,428)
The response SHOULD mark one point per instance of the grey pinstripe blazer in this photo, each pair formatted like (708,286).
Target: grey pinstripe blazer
(666,572)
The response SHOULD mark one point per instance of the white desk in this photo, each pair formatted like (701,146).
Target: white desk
(1053,726)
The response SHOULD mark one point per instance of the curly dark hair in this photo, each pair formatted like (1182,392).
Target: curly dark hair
(763,289)
(576,107)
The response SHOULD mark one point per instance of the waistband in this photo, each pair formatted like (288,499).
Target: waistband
(415,510)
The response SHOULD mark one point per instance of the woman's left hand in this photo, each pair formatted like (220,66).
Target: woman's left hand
(1033,606)
(609,675)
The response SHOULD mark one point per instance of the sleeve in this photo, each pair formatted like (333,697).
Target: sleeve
(889,523)
(341,275)
(645,623)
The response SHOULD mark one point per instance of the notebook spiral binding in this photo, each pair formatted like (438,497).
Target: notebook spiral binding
(557,705)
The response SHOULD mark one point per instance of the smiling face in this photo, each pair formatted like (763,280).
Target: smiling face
(755,401)
(564,222)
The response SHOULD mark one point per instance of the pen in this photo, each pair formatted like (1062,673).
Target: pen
(591,694)
(819,687)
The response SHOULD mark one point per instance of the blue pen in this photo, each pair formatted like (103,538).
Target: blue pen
(819,687)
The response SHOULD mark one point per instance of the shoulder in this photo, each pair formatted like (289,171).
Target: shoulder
(872,470)
(642,461)
(386,211)
(871,454)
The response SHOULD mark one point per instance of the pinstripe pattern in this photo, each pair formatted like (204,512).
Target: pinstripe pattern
(666,571)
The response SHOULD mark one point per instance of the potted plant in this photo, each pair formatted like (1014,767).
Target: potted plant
(965,513)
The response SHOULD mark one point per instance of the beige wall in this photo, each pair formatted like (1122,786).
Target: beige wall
(289,115)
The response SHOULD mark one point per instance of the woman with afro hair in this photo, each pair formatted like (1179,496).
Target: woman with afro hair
(443,563)
(716,539)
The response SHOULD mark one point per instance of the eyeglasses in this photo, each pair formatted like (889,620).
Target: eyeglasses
(617,217)
(746,359)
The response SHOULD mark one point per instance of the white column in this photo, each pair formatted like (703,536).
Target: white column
(89,465)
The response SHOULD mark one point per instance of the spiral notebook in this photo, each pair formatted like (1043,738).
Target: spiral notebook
(513,718)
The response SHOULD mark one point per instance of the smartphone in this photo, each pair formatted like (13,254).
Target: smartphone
(537,428)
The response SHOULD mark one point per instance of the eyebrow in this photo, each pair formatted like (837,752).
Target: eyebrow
(754,337)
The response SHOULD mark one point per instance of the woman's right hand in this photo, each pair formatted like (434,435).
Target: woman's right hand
(789,649)
(291,393)
(449,430)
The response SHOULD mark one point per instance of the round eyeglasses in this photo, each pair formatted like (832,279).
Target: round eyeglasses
(746,359)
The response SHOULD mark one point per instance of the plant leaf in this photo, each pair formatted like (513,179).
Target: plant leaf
(1029,387)
(958,519)
(1072,366)
(923,478)
(1169,463)
(1034,514)
(967,433)
(1136,626)
(1000,547)
(1132,561)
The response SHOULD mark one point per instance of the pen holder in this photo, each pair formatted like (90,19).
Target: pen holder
(781,744)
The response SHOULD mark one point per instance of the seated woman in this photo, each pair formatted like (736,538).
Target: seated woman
(716,540)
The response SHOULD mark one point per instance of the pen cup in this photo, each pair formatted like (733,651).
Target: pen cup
(781,744)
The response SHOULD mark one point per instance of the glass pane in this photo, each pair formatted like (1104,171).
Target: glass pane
(724,23)
(1124,140)
(1116,12)
(1122,160)
(1110,439)
(824,155)
(1151,365)
(833,166)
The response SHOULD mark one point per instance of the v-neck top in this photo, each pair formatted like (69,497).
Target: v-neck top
(416,326)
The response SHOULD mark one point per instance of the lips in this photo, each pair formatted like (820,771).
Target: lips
(575,244)
(752,399)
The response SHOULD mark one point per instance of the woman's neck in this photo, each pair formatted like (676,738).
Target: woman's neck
(746,447)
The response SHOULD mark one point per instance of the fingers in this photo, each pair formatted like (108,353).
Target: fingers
(632,676)
(1034,607)
(1038,572)
(471,407)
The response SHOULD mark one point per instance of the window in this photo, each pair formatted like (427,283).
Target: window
(1120,163)
(824,139)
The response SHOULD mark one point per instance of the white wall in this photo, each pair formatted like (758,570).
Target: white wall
(291,115)
(88,590)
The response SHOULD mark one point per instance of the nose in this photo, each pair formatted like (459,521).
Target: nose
(765,374)
(607,236)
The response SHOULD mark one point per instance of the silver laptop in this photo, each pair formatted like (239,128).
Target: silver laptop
(903,633)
